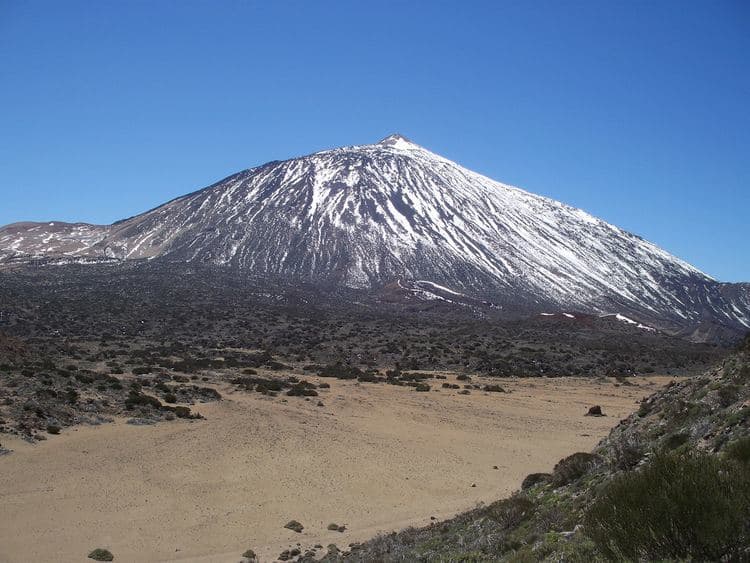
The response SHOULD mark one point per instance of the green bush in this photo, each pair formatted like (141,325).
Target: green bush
(302,389)
(739,450)
(341,371)
(679,506)
(572,467)
(738,416)
(510,512)
(626,451)
(184,412)
(534,479)
(140,399)
(294,526)
(728,394)
(101,555)
(674,441)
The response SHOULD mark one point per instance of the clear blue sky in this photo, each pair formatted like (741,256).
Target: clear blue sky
(636,111)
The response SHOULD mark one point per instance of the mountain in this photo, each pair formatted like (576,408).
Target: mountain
(393,212)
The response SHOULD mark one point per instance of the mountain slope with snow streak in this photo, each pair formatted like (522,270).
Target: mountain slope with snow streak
(365,216)
(40,239)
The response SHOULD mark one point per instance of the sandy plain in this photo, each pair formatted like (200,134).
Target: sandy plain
(375,458)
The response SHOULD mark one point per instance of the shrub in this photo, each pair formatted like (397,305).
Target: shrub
(209,393)
(370,377)
(140,399)
(269,385)
(572,467)
(184,412)
(422,387)
(101,555)
(71,396)
(644,408)
(674,441)
(411,376)
(510,512)
(533,479)
(170,398)
(626,451)
(728,394)
(294,526)
(622,380)
(739,450)
(341,371)
(679,506)
(738,416)
(302,389)
(84,378)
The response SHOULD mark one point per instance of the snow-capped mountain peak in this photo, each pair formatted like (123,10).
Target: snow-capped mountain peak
(398,141)
(367,215)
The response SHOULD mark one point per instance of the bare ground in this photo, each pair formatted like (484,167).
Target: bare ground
(374,458)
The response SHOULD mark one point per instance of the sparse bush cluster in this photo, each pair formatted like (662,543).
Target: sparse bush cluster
(340,370)
(100,554)
(533,479)
(626,451)
(739,450)
(510,512)
(573,467)
(686,506)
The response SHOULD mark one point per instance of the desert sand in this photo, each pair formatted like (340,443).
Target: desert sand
(375,458)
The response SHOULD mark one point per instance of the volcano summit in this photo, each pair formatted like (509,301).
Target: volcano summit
(371,215)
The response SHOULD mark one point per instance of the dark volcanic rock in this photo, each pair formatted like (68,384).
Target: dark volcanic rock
(596,410)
